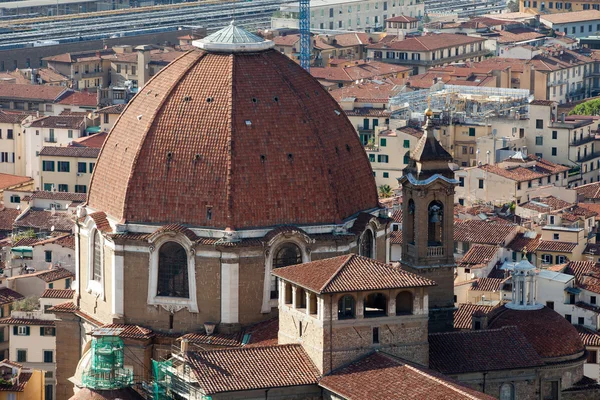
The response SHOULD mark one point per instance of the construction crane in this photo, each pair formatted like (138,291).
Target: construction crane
(305,34)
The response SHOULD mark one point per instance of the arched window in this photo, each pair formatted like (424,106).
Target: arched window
(366,244)
(375,305)
(286,255)
(346,307)
(97,260)
(404,303)
(435,224)
(172,271)
(507,391)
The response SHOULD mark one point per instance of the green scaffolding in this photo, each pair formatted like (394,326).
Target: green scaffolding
(159,370)
(106,371)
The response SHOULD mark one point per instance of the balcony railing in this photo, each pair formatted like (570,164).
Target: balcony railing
(589,156)
(435,251)
(584,140)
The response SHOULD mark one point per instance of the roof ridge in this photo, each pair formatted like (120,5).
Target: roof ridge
(455,386)
(337,271)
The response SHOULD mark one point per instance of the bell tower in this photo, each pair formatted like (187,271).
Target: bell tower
(428,227)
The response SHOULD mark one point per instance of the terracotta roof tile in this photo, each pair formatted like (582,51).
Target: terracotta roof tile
(524,174)
(359,70)
(70,151)
(483,232)
(45,220)
(8,296)
(560,338)
(8,180)
(96,140)
(379,376)
(562,247)
(152,188)
(428,42)
(217,339)
(128,331)
(58,294)
(69,307)
(252,368)
(478,256)
(349,273)
(593,207)
(482,350)
(571,17)
(82,99)
(402,18)
(101,221)
(546,204)
(487,284)
(60,121)
(12,118)
(7,218)
(26,321)
(588,336)
(463,315)
(521,242)
(48,275)
(24,378)
(580,268)
(590,191)
(48,195)
(114,109)
(31,92)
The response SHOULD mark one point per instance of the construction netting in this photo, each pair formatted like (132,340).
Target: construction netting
(106,371)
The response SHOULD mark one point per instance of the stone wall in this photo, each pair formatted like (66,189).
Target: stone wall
(68,350)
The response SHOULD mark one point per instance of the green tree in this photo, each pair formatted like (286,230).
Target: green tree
(27,304)
(591,107)
(385,191)
(513,6)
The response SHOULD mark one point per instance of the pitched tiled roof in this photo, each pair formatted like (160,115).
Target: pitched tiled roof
(26,321)
(24,377)
(358,70)
(252,368)
(428,42)
(69,307)
(114,109)
(217,339)
(583,211)
(478,256)
(224,167)
(380,376)
(396,237)
(101,221)
(67,241)
(8,180)
(48,275)
(83,99)
(521,242)
(546,204)
(481,350)
(68,196)
(31,92)
(57,294)
(12,118)
(590,191)
(463,315)
(60,121)
(7,218)
(594,207)
(571,17)
(128,331)
(588,336)
(45,220)
(559,337)
(487,284)
(71,151)
(562,247)
(397,216)
(402,18)
(349,273)
(483,232)
(523,174)
(8,296)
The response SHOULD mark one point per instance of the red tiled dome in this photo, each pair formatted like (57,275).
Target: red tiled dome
(549,333)
(251,136)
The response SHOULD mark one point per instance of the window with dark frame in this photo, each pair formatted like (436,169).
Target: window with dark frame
(172,271)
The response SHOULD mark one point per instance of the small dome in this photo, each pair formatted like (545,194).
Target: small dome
(549,333)
(233,39)
(233,140)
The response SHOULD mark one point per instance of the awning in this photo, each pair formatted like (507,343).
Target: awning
(23,251)
(92,129)
(573,290)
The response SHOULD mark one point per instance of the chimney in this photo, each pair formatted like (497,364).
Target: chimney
(209,327)
(185,344)
(143,59)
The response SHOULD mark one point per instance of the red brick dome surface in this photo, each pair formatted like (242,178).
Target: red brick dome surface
(250,136)
(550,334)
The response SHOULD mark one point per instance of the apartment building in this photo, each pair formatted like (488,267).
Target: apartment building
(575,24)
(556,7)
(87,69)
(515,179)
(33,345)
(360,15)
(389,153)
(66,169)
(429,51)
(566,142)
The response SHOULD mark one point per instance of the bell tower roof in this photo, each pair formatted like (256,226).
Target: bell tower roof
(428,148)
